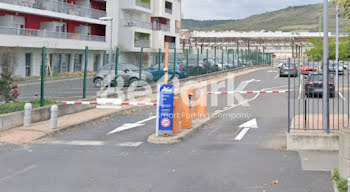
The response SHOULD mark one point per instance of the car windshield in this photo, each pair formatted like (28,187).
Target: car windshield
(317,77)
(131,67)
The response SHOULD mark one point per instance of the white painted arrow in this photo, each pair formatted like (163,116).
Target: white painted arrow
(252,124)
(272,71)
(128,126)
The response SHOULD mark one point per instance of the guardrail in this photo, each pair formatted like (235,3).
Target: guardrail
(59,7)
(49,34)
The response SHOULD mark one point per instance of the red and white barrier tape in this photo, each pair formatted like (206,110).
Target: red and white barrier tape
(248,92)
(107,103)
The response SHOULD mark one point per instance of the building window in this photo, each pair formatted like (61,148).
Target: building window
(97,59)
(142,40)
(78,59)
(28,64)
(55,63)
(168,7)
(65,63)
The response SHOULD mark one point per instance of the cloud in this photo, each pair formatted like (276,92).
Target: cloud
(234,9)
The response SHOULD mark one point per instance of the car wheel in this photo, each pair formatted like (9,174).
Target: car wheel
(132,80)
(98,82)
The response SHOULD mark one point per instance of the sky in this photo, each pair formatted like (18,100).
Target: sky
(234,9)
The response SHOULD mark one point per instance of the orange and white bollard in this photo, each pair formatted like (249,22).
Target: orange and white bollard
(201,103)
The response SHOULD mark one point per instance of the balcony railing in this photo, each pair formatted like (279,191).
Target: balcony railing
(49,34)
(142,43)
(169,11)
(134,23)
(143,4)
(162,27)
(59,7)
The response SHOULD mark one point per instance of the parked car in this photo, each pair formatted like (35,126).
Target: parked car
(129,73)
(212,66)
(307,67)
(333,67)
(282,62)
(289,70)
(314,85)
(180,72)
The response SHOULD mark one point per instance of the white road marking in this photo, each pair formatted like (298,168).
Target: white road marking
(217,111)
(10,176)
(241,134)
(277,76)
(128,126)
(342,96)
(252,124)
(77,143)
(130,144)
(272,71)
(226,108)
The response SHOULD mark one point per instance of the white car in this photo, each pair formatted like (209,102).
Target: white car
(282,63)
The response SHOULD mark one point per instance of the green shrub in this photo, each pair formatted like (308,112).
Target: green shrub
(342,184)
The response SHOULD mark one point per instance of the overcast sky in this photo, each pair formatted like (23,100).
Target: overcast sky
(234,9)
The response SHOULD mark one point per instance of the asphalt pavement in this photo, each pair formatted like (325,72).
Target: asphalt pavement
(218,158)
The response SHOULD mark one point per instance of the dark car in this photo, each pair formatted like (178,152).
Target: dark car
(193,69)
(289,70)
(179,70)
(314,86)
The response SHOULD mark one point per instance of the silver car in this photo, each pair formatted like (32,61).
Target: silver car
(333,68)
(129,73)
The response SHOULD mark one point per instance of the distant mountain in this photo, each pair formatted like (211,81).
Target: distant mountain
(298,18)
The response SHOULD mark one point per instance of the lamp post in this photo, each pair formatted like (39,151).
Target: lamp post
(110,19)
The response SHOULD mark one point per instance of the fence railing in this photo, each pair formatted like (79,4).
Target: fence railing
(142,4)
(49,34)
(305,101)
(143,43)
(135,23)
(59,7)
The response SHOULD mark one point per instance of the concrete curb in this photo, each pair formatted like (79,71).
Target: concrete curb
(68,127)
(185,133)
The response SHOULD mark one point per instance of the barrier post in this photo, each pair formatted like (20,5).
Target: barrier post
(201,103)
(187,73)
(85,70)
(208,61)
(233,58)
(159,60)
(28,114)
(43,71)
(222,58)
(176,113)
(214,57)
(116,69)
(198,61)
(174,68)
(141,61)
(166,60)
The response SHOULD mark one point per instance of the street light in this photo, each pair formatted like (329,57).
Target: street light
(110,19)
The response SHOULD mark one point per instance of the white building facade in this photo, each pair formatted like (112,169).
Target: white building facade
(66,27)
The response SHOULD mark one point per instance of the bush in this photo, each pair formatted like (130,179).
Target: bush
(342,184)
(19,106)
(8,91)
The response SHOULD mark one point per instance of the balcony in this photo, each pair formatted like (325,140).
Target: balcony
(49,34)
(59,7)
(139,24)
(142,43)
(162,27)
(143,3)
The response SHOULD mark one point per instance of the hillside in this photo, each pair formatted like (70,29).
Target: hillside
(298,18)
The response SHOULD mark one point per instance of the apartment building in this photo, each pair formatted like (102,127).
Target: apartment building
(148,24)
(66,27)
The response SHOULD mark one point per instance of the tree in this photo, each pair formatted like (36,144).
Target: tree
(316,53)
(345,4)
